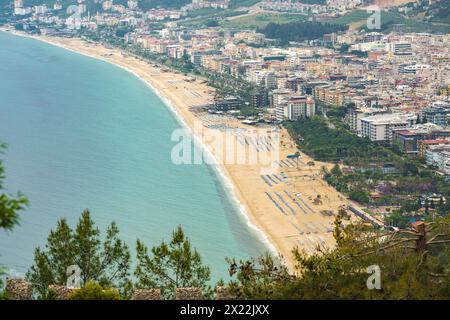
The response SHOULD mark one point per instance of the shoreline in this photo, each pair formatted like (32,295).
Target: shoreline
(218,168)
(306,228)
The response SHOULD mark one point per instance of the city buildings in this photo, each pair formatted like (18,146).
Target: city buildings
(380,128)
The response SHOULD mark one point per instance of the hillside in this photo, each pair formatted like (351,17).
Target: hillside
(413,21)
(439,12)
(391,3)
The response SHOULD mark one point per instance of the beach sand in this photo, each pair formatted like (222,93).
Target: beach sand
(303,223)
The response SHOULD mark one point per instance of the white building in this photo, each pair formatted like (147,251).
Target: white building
(439,156)
(294,108)
(279,96)
(379,127)
(300,107)
(355,116)
(399,48)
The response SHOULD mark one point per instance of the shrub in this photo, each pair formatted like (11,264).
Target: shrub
(94,291)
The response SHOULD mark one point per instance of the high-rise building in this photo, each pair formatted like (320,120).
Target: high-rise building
(380,127)
(295,107)
(399,48)
(300,107)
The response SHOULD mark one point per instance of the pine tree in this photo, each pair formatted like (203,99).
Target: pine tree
(9,206)
(171,265)
(413,264)
(107,263)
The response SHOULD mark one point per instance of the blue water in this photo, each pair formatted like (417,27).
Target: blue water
(85,134)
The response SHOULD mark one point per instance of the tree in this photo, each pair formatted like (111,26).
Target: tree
(107,262)
(396,219)
(170,266)
(299,30)
(413,264)
(94,291)
(336,171)
(257,278)
(359,196)
(9,206)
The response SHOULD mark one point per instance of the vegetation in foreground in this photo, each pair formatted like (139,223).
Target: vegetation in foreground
(412,263)
(10,206)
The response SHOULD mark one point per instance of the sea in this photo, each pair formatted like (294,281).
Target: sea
(85,134)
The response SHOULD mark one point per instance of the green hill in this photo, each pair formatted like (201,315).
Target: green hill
(358,19)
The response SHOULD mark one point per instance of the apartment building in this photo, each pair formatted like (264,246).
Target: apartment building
(439,156)
(424,145)
(380,127)
(436,115)
(408,140)
(295,107)
(355,115)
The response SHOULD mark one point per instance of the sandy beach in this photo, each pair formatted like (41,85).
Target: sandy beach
(291,206)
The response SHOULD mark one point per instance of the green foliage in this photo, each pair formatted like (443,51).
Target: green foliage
(243,3)
(439,11)
(94,291)
(261,20)
(327,144)
(359,196)
(358,18)
(10,206)
(171,265)
(408,270)
(333,142)
(106,262)
(257,279)
(122,31)
(2,273)
(336,170)
(212,23)
(150,4)
(337,112)
(396,219)
(299,31)
(249,111)
(199,18)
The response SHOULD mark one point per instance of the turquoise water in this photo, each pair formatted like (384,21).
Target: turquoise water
(85,134)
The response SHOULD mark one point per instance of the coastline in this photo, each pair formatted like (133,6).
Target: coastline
(261,216)
(220,170)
